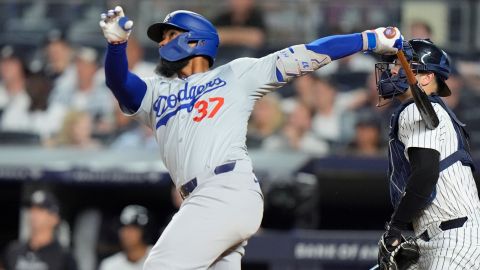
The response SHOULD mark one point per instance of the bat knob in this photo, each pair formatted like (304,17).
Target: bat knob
(390,32)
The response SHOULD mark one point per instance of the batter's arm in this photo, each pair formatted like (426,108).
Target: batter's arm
(127,87)
(300,59)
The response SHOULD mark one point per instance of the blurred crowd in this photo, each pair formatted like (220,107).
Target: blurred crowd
(59,98)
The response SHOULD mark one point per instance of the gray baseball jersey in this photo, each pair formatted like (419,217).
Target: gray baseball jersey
(201,121)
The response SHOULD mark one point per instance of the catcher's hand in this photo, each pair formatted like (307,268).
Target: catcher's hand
(399,257)
(115,25)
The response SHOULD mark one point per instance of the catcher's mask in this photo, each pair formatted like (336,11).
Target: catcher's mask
(424,57)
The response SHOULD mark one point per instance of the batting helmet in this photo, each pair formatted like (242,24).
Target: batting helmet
(197,30)
(424,57)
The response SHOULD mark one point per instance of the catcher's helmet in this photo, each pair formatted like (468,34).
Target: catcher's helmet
(197,29)
(424,56)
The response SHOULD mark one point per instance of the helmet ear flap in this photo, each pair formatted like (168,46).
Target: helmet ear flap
(177,48)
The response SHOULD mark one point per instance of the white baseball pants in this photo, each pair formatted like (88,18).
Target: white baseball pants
(453,249)
(211,228)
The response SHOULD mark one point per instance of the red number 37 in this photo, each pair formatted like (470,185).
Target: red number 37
(202,108)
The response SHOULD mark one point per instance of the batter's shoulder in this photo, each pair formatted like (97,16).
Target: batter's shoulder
(244,65)
(242,62)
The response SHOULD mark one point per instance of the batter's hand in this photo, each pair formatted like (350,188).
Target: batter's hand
(383,40)
(115,25)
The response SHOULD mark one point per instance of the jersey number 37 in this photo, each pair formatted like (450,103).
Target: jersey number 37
(207,108)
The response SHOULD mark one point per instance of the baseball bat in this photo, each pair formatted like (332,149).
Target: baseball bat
(419,96)
(375,267)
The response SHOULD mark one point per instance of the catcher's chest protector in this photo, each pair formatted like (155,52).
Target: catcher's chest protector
(399,167)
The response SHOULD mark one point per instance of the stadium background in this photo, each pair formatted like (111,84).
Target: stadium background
(324,179)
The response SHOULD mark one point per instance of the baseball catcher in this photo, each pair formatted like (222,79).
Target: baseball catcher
(430,170)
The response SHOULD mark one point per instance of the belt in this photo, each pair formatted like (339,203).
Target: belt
(188,187)
(445,226)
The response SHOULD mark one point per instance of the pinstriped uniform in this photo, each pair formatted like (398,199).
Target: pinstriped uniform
(455,196)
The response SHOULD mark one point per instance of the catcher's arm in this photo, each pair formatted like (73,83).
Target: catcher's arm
(423,178)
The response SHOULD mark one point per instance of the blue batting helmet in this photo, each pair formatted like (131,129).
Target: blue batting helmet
(197,29)
(424,56)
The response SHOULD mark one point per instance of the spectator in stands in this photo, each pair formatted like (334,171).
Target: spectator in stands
(420,29)
(368,137)
(88,92)
(462,99)
(372,104)
(141,137)
(43,119)
(297,135)
(122,123)
(266,120)
(136,63)
(464,103)
(42,250)
(331,106)
(132,234)
(14,100)
(304,93)
(241,30)
(241,25)
(59,63)
(25,99)
(76,132)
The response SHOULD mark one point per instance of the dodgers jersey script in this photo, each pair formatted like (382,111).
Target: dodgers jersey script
(456,192)
(181,111)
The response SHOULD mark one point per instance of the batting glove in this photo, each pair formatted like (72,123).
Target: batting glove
(383,40)
(115,25)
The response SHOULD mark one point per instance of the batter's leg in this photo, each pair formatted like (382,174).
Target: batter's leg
(231,260)
(211,221)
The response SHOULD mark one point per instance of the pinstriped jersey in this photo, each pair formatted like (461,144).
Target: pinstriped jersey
(455,194)
(200,122)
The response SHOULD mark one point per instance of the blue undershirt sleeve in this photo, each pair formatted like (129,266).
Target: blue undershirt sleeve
(337,46)
(127,87)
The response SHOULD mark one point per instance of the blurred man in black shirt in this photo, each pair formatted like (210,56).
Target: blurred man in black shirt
(42,251)
(242,25)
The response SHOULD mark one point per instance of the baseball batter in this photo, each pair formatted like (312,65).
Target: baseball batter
(430,172)
(200,120)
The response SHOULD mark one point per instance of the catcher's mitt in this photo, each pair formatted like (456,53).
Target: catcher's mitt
(401,257)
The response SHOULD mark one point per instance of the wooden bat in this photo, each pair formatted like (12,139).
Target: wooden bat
(419,96)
